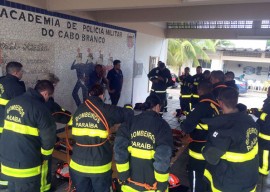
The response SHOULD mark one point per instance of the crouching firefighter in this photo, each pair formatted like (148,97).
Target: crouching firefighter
(91,163)
(206,108)
(143,148)
(27,140)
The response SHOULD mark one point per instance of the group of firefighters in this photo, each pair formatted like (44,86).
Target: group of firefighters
(227,148)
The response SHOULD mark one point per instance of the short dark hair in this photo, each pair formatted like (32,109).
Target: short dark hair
(199,67)
(96,90)
(115,62)
(218,75)
(161,65)
(150,102)
(44,85)
(230,75)
(206,87)
(13,67)
(229,96)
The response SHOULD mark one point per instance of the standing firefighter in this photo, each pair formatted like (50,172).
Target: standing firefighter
(91,162)
(206,108)
(196,79)
(27,140)
(232,147)
(161,78)
(143,148)
(10,87)
(185,96)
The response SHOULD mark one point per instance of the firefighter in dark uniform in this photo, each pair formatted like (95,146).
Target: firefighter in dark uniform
(231,149)
(186,92)
(90,166)
(161,78)
(264,136)
(27,140)
(10,87)
(229,80)
(217,78)
(206,108)
(143,148)
(196,79)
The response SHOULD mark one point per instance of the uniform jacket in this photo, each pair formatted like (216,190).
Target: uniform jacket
(28,137)
(232,84)
(160,85)
(143,148)
(10,87)
(197,130)
(231,152)
(196,79)
(87,129)
(186,82)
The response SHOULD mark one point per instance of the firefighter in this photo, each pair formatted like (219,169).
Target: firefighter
(196,79)
(143,148)
(206,108)
(27,140)
(185,95)
(90,166)
(229,80)
(231,149)
(161,79)
(217,78)
(10,87)
(264,136)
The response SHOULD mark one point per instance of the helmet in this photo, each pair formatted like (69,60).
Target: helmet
(173,181)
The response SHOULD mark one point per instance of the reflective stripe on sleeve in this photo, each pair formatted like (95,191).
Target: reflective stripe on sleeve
(122,167)
(264,169)
(46,152)
(90,169)
(19,128)
(89,132)
(161,177)
(1,129)
(263,116)
(265,137)
(195,155)
(141,153)
(202,126)
(20,173)
(195,96)
(185,96)
(3,101)
(241,157)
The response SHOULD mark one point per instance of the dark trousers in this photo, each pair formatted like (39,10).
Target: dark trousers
(185,104)
(75,92)
(115,97)
(24,186)
(91,184)
(196,181)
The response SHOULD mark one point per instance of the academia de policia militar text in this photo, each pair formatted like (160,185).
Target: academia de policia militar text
(91,33)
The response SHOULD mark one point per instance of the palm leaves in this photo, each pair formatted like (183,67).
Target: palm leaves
(181,51)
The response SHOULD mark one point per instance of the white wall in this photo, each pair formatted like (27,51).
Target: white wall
(146,46)
(238,66)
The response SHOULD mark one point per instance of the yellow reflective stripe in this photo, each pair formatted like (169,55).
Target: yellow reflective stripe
(70,122)
(196,96)
(141,153)
(129,107)
(44,173)
(195,155)
(19,128)
(264,169)
(20,173)
(90,169)
(158,91)
(263,116)
(185,96)
(254,190)
(265,137)
(208,175)
(122,167)
(3,101)
(202,126)
(1,129)
(241,157)
(3,183)
(161,177)
(126,188)
(196,83)
(89,132)
(46,152)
